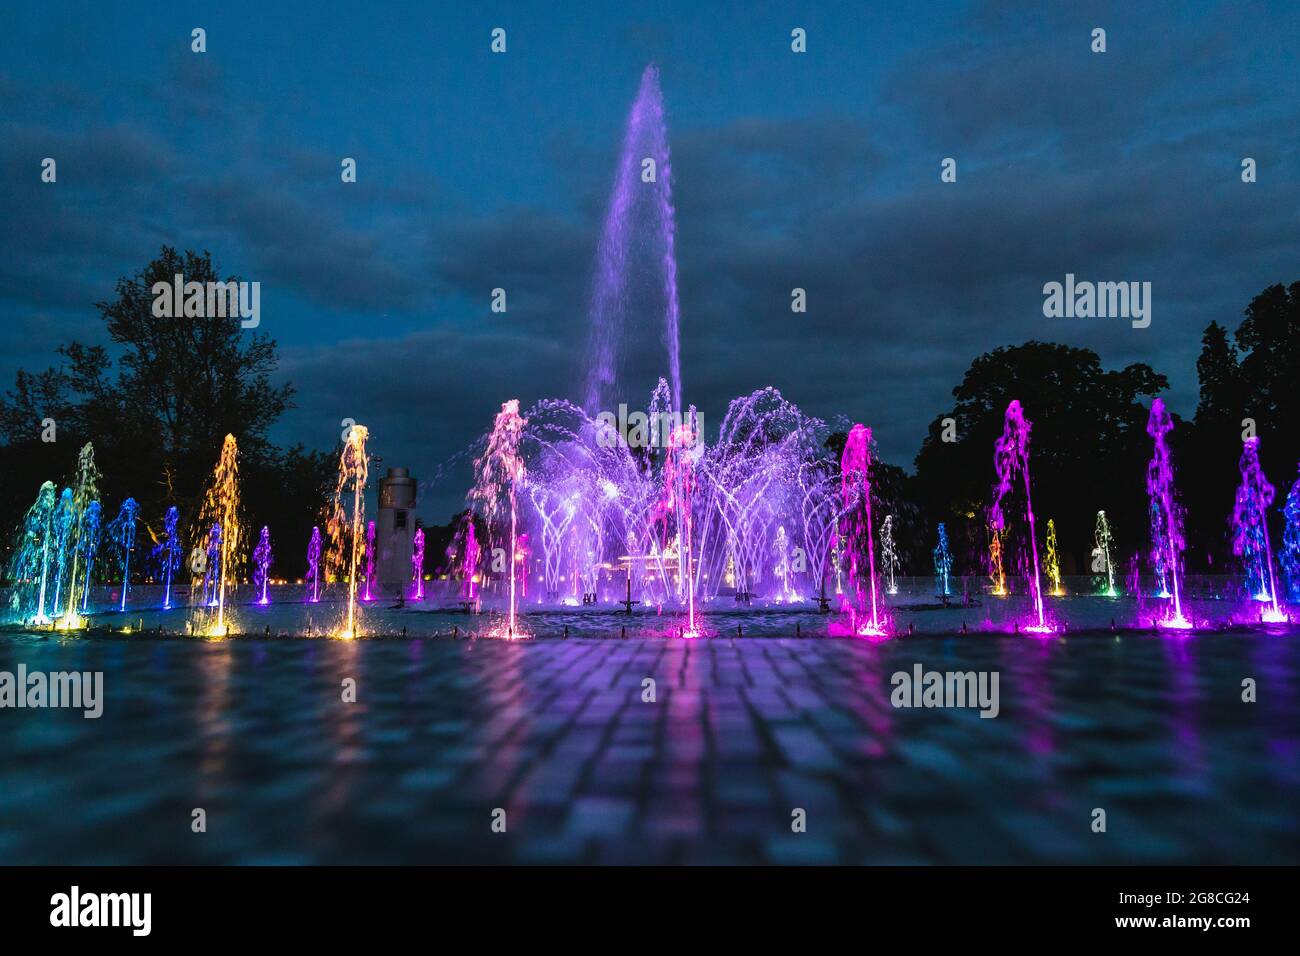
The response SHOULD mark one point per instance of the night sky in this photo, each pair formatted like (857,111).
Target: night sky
(818,170)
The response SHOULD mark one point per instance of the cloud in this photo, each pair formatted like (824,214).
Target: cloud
(1122,167)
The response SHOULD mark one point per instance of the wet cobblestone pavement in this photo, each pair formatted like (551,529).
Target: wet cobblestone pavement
(741,734)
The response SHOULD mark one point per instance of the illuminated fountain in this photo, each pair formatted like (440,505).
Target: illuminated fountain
(261,567)
(634,199)
(636,505)
(62,525)
(469,563)
(671,527)
(1101,563)
(889,555)
(1011,462)
(417,565)
(1167,541)
(90,547)
(943,562)
(347,516)
(122,533)
(34,551)
(220,515)
(1290,557)
(860,605)
(781,569)
(1052,561)
(370,562)
(85,490)
(1133,581)
(997,574)
(683,454)
(168,553)
(501,473)
(207,563)
(313,566)
(1250,540)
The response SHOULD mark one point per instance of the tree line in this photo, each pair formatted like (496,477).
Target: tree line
(158,401)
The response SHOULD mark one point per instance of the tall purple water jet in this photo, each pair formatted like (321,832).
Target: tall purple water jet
(370,562)
(1250,539)
(313,566)
(646,138)
(1011,461)
(261,566)
(417,566)
(857,537)
(1167,541)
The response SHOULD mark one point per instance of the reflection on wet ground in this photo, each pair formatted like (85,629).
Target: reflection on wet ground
(741,733)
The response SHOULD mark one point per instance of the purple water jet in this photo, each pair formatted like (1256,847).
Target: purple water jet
(313,566)
(261,566)
(417,565)
(1011,461)
(857,538)
(1290,557)
(501,475)
(646,138)
(167,551)
(1167,541)
(370,562)
(679,504)
(469,563)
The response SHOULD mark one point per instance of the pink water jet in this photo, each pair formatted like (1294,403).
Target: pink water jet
(856,537)
(678,501)
(417,566)
(1167,540)
(1011,461)
(501,474)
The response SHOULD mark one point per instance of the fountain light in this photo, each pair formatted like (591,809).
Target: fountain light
(347,516)
(1011,461)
